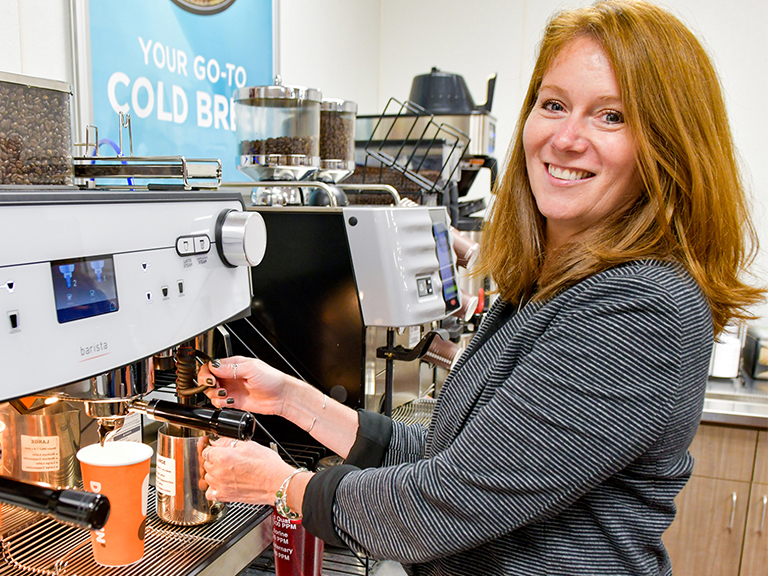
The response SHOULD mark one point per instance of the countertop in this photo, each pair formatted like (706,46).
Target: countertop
(736,401)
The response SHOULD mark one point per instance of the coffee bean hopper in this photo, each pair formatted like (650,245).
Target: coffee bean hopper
(337,140)
(337,150)
(278,130)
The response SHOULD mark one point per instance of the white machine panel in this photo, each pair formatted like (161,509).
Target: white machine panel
(404,264)
(89,286)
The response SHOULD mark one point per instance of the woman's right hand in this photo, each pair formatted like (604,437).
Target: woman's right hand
(247,384)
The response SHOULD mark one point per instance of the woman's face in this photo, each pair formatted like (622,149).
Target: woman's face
(579,152)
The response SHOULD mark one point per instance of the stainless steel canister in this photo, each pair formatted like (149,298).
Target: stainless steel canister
(40,446)
(278,128)
(179,472)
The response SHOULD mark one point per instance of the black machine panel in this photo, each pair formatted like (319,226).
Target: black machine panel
(305,316)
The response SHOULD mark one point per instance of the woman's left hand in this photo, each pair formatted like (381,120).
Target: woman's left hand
(238,471)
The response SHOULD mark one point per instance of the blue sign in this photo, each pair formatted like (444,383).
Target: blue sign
(173,65)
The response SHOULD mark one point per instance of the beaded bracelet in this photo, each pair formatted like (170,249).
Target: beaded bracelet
(281,497)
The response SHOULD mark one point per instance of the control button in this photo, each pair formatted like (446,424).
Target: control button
(202,244)
(185,245)
(10,285)
(424,286)
(13,317)
(164,290)
(181,287)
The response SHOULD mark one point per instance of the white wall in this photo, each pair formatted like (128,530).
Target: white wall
(370,50)
(332,45)
(35,38)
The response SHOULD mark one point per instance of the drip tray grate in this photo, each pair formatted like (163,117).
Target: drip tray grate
(36,544)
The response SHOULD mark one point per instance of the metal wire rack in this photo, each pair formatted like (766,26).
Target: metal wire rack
(407,139)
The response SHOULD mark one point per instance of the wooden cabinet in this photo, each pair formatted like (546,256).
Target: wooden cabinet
(761,459)
(754,560)
(707,534)
(721,527)
(724,452)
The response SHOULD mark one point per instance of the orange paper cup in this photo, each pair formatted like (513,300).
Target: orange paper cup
(120,471)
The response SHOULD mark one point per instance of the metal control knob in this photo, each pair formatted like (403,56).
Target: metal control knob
(241,238)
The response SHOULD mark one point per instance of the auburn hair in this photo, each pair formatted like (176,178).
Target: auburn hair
(693,208)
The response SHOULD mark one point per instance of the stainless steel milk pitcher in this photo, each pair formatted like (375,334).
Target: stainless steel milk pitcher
(179,475)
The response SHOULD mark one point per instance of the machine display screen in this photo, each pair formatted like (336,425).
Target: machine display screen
(84,287)
(443,246)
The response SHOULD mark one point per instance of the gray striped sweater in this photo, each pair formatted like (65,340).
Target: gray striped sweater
(557,445)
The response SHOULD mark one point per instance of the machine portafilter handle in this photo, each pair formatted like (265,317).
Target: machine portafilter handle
(222,422)
(83,509)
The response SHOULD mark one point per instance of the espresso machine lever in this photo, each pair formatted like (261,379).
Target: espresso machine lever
(409,354)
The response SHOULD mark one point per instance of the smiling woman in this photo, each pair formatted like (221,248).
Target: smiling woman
(559,440)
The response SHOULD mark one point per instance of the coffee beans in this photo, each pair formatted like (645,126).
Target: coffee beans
(283,146)
(337,135)
(35,136)
(385,175)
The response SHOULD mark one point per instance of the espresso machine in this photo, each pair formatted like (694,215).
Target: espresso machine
(99,282)
(96,285)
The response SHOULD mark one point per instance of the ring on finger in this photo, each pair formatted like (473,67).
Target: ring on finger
(234,443)
(214,494)
(234,371)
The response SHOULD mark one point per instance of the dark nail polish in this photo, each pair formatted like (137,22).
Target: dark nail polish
(209,381)
(222,393)
(215,363)
(230,400)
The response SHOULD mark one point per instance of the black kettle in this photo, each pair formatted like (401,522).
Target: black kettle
(445,93)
